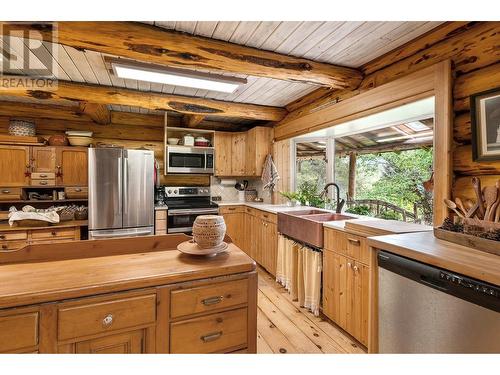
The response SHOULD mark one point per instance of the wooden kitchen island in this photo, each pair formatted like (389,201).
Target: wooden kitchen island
(130,295)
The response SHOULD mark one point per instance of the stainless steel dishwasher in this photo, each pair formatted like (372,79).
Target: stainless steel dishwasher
(424,309)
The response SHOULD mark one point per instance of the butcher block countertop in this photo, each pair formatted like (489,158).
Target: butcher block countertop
(45,273)
(426,248)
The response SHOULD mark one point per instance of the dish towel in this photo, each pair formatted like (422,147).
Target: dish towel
(270,174)
(309,269)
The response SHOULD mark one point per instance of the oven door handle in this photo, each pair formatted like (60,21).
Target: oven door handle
(192,211)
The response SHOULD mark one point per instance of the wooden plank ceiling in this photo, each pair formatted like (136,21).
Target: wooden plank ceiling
(349,44)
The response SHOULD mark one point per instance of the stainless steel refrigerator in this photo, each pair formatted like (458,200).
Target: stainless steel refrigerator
(121,192)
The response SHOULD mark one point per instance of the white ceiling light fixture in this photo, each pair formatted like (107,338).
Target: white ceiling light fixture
(417,136)
(175,77)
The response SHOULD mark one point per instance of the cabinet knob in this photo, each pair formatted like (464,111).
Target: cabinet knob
(5,191)
(211,336)
(353,240)
(4,247)
(355,268)
(43,182)
(53,233)
(108,320)
(2,236)
(349,264)
(43,175)
(78,190)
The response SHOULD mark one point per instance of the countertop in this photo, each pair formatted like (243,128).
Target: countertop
(426,248)
(5,227)
(137,263)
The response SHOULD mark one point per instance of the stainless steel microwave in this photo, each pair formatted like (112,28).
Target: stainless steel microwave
(182,159)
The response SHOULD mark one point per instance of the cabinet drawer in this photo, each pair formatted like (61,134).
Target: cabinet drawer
(267,216)
(357,248)
(208,298)
(12,245)
(15,235)
(209,334)
(8,193)
(335,241)
(231,209)
(92,318)
(42,234)
(18,331)
(43,176)
(251,211)
(76,192)
(161,214)
(45,182)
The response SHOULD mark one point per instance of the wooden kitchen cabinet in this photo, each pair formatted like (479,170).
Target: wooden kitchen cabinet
(235,223)
(222,145)
(123,343)
(242,153)
(258,146)
(72,166)
(43,159)
(345,293)
(14,166)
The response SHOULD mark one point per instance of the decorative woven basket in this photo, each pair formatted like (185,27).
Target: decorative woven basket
(22,128)
(209,231)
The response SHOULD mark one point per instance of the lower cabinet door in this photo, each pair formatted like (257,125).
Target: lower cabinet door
(123,343)
(360,299)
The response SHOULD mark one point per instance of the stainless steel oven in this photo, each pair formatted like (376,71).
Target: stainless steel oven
(182,159)
(185,204)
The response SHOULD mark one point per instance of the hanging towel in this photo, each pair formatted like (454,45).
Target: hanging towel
(270,174)
(309,269)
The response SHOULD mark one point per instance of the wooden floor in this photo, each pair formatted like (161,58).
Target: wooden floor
(284,327)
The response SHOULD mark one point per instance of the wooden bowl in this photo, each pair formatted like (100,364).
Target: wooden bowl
(209,231)
(58,140)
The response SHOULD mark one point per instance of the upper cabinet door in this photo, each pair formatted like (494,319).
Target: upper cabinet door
(72,166)
(14,165)
(43,159)
(238,154)
(222,145)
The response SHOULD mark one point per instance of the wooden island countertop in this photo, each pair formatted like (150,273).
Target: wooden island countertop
(426,248)
(45,273)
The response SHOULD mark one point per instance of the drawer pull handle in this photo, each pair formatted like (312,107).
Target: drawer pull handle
(212,300)
(108,320)
(43,182)
(2,236)
(266,216)
(353,240)
(4,247)
(231,208)
(53,233)
(211,336)
(78,190)
(5,191)
(43,175)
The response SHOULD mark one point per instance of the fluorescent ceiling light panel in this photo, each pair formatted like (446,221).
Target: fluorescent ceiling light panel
(176,77)
(417,136)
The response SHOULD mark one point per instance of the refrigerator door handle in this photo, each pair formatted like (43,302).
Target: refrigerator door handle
(125,185)
(120,195)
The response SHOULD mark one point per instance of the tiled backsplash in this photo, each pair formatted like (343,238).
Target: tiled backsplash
(229,193)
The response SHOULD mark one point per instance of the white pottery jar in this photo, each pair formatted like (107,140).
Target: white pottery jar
(209,231)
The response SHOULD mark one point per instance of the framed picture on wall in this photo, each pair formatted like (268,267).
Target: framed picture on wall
(485,123)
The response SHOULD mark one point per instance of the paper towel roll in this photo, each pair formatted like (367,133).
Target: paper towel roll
(227,181)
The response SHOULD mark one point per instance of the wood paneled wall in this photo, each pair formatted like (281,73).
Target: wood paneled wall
(281,157)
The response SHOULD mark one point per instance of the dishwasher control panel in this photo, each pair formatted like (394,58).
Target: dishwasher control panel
(469,283)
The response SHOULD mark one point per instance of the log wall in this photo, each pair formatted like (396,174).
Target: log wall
(474,49)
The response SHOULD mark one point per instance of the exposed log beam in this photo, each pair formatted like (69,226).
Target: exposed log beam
(99,113)
(191,121)
(393,147)
(70,118)
(156,45)
(99,94)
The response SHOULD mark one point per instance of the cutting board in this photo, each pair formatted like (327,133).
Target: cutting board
(371,228)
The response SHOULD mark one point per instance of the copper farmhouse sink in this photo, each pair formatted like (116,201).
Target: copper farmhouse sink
(307,225)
